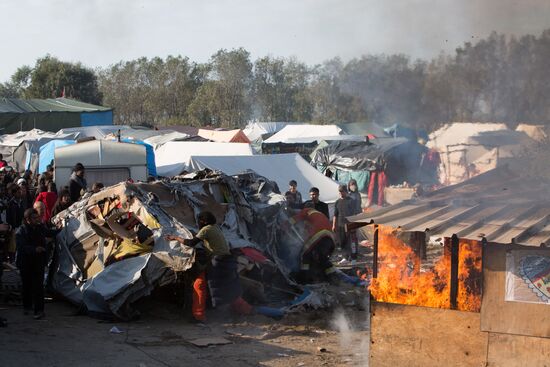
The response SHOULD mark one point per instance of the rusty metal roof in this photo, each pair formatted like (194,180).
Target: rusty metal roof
(497,205)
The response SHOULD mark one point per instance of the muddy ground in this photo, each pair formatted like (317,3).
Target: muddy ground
(164,337)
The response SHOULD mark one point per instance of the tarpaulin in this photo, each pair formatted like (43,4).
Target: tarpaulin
(399,158)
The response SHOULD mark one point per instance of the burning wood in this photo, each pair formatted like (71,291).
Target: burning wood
(401,280)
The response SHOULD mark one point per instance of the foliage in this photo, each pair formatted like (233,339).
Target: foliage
(497,79)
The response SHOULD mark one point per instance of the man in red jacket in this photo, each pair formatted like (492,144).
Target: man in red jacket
(318,245)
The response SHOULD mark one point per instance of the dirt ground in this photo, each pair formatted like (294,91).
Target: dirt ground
(163,337)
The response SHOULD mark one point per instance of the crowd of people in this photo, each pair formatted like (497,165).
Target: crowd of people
(28,202)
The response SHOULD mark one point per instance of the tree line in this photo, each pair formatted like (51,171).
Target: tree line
(496,79)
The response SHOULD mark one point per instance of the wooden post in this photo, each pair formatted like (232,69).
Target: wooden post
(454,271)
(375,253)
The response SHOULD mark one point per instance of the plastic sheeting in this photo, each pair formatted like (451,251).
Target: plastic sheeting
(305,133)
(47,153)
(173,157)
(280,168)
(400,158)
(222,136)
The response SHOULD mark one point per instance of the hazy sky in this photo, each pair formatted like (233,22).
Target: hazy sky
(102,32)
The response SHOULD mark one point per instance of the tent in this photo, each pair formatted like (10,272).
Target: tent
(370,129)
(305,133)
(222,136)
(17,149)
(263,130)
(468,149)
(96,132)
(173,157)
(280,168)
(400,159)
(50,114)
(47,152)
(535,132)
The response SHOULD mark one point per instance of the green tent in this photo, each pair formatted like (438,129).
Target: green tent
(50,114)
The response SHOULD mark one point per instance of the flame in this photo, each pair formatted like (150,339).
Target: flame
(401,280)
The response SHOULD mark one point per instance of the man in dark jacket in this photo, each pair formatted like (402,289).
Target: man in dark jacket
(315,203)
(31,260)
(77,183)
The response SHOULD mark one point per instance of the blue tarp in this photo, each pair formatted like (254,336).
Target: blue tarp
(150,154)
(47,152)
(96,118)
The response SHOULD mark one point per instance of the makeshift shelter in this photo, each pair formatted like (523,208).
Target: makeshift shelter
(50,114)
(257,132)
(173,157)
(264,130)
(535,132)
(100,269)
(149,153)
(47,152)
(17,149)
(468,149)
(305,133)
(400,131)
(467,264)
(376,165)
(97,132)
(280,168)
(106,161)
(370,129)
(224,136)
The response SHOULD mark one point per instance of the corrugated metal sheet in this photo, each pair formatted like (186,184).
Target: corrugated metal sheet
(497,205)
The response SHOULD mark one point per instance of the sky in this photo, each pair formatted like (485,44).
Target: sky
(99,33)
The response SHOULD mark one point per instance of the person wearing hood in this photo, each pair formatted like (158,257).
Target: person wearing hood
(355,195)
(77,183)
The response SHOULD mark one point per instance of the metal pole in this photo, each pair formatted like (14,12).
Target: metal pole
(375,253)
(454,271)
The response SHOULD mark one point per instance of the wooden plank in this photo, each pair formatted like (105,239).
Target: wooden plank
(518,351)
(500,316)
(419,336)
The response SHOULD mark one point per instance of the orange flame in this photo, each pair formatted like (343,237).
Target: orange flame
(401,280)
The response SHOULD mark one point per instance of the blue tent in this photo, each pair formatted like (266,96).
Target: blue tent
(150,154)
(47,152)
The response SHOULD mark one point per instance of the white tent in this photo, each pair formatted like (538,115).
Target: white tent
(280,168)
(255,130)
(305,133)
(468,149)
(173,157)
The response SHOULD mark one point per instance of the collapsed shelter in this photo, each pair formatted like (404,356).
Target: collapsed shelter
(112,249)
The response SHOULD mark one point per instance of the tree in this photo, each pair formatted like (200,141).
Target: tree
(225,99)
(50,77)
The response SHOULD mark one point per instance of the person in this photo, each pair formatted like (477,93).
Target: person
(31,260)
(343,207)
(97,187)
(355,195)
(218,265)
(3,163)
(293,196)
(49,198)
(26,194)
(315,203)
(318,245)
(77,182)
(41,210)
(62,203)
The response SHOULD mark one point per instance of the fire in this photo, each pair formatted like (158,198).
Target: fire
(401,280)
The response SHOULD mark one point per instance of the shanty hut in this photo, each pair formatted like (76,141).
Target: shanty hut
(461,277)
(50,114)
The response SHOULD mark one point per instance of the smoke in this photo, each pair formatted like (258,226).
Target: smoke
(348,330)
